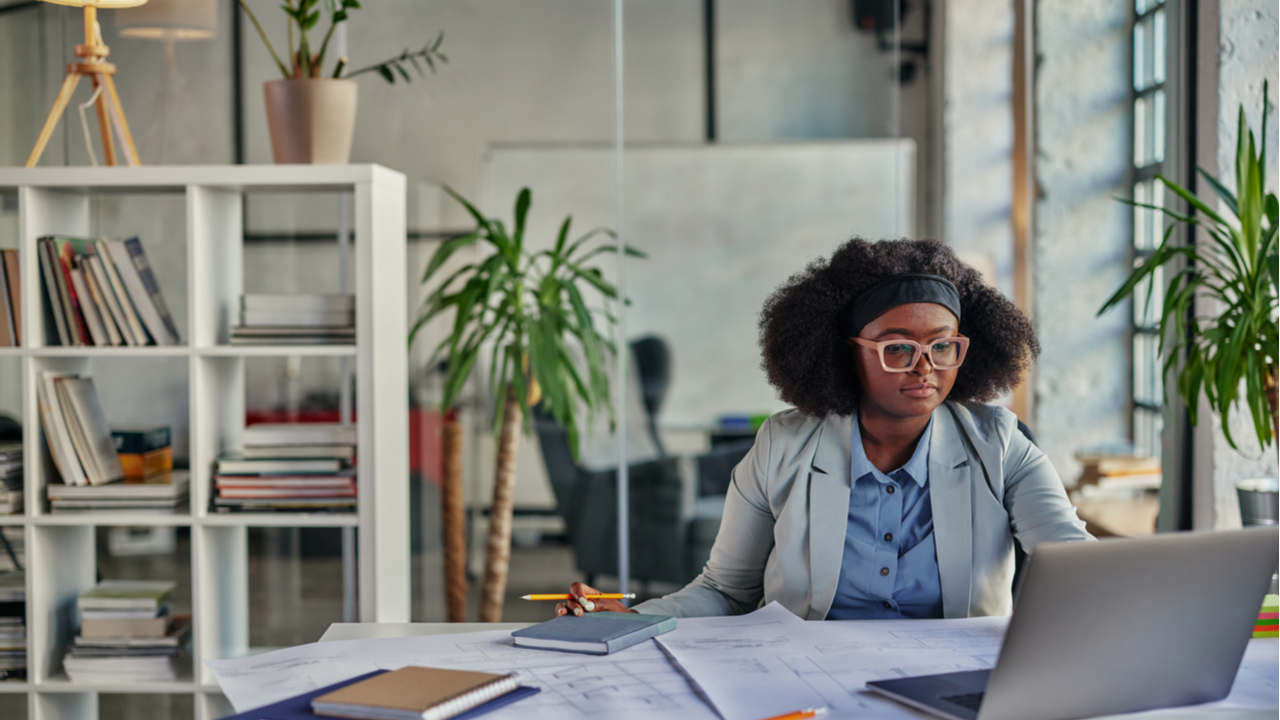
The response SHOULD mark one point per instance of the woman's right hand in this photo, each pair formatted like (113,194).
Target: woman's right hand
(579,604)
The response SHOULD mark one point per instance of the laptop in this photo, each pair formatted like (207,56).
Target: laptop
(1114,626)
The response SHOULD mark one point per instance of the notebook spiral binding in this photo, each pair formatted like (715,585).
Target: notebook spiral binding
(468,700)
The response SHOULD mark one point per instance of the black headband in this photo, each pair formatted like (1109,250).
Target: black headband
(900,290)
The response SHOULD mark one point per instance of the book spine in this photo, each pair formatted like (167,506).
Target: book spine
(6,311)
(106,300)
(72,471)
(467,700)
(141,441)
(117,285)
(141,264)
(88,310)
(75,320)
(142,300)
(141,465)
(51,293)
(14,273)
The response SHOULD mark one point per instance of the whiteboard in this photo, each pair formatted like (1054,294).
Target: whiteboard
(723,226)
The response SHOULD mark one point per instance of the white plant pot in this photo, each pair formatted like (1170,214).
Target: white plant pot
(311,121)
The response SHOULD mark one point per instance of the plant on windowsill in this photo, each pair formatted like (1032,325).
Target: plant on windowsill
(311,116)
(1237,269)
(529,313)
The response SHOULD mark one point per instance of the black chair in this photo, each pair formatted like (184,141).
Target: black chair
(587,500)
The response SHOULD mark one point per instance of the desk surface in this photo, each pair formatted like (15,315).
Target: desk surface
(369,631)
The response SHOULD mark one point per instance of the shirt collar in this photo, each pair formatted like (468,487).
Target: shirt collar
(917,468)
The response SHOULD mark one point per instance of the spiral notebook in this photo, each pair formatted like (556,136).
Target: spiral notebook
(414,693)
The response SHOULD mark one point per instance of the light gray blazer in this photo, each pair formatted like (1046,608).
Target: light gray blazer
(782,536)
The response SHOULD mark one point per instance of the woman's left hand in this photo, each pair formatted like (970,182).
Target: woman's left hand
(580,604)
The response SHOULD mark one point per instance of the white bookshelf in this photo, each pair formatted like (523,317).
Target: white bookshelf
(60,558)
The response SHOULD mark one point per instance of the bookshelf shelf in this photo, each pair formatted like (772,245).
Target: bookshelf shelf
(246,519)
(278,350)
(202,282)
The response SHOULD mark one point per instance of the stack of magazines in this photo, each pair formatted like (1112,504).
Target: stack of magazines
(13,625)
(159,493)
(10,478)
(296,320)
(102,293)
(291,467)
(127,633)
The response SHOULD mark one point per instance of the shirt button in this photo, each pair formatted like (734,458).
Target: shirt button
(884,571)
(888,537)
(888,604)
(889,489)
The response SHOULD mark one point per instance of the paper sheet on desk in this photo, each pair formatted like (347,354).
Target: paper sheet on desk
(770,662)
(638,682)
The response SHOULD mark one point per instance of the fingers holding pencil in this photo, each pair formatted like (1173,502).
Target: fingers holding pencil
(580,602)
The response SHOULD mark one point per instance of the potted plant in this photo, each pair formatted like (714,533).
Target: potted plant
(528,313)
(312,115)
(1237,268)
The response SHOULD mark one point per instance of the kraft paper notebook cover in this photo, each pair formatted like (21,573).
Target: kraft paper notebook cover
(299,706)
(414,692)
(595,633)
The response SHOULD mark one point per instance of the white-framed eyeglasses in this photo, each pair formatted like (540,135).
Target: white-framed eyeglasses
(899,356)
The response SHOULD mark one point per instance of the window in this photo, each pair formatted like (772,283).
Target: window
(1149,115)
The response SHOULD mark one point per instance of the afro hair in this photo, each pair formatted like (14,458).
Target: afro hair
(802,337)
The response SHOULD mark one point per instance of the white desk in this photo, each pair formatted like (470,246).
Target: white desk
(369,631)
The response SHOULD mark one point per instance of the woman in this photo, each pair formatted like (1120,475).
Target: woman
(890,491)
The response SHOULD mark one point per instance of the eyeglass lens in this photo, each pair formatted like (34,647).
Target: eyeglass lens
(905,355)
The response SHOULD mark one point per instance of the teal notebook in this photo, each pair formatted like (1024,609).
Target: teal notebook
(594,633)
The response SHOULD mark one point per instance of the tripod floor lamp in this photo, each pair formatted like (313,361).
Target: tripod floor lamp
(93,65)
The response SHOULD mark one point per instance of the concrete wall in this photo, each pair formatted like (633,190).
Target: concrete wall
(977,119)
(1081,232)
(1248,54)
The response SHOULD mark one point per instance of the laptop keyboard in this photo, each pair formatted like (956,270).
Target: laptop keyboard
(969,701)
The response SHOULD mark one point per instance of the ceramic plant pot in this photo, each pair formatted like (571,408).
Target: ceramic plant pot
(311,120)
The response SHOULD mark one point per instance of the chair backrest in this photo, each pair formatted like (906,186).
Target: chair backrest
(653,368)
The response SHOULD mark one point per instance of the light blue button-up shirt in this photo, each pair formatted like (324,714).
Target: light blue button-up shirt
(890,566)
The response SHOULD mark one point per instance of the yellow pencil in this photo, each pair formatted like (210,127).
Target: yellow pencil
(567,596)
(800,714)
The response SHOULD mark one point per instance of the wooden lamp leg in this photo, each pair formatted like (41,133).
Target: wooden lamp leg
(59,106)
(129,148)
(104,121)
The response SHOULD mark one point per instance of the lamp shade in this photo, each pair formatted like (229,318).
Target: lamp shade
(169,20)
(99,3)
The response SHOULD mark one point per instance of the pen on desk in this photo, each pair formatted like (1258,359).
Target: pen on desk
(800,714)
(567,596)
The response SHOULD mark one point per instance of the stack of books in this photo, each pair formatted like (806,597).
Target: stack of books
(158,493)
(10,300)
(296,320)
(1117,474)
(289,467)
(76,430)
(10,478)
(102,293)
(1268,618)
(127,634)
(13,625)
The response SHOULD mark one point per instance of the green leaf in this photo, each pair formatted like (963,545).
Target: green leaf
(385,72)
(446,251)
(1192,200)
(1227,196)
(523,200)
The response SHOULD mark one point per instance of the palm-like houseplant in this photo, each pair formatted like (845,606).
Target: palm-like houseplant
(529,314)
(1238,269)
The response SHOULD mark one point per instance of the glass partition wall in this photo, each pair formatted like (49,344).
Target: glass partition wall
(730,142)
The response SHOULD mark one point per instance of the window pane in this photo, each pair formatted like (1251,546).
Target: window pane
(1139,56)
(1148,300)
(1148,386)
(1157,127)
(1141,216)
(1141,139)
(1157,48)
(1147,426)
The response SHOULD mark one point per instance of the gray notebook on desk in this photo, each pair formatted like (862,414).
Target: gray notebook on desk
(594,633)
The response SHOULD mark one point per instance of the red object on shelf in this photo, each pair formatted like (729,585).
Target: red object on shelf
(425,425)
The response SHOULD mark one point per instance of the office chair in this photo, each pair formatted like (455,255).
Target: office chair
(653,368)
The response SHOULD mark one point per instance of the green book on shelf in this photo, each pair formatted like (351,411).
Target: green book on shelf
(126,595)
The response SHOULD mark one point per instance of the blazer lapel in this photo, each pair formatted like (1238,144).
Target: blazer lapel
(828,511)
(950,492)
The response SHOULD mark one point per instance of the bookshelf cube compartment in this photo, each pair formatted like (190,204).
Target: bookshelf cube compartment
(13,705)
(156,218)
(134,392)
(83,554)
